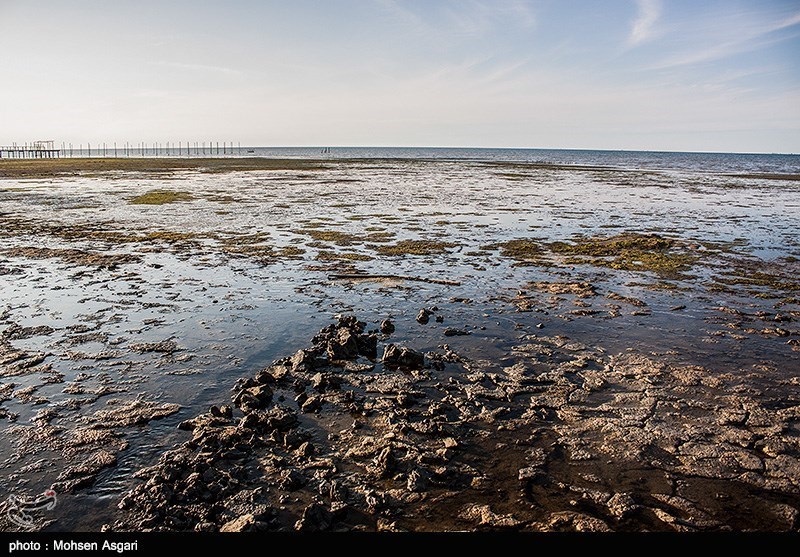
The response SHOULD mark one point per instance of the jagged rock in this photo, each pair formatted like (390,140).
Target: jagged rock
(245,523)
(402,357)
(575,522)
(418,481)
(344,346)
(484,516)
(621,505)
(451,332)
(291,480)
(368,346)
(304,360)
(311,404)
(253,398)
(387,327)
(424,316)
(316,518)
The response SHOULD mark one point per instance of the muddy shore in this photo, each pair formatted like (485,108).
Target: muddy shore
(254,344)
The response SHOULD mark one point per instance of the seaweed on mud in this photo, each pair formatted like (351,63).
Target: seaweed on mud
(765,280)
(415,247)
(75,256)
(345,238)
(161,197)
(750,277)
(262,252)
(614,246)
(629,252)
(524,251)
(347,256)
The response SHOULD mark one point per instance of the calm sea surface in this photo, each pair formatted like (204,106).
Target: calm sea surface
(736,163)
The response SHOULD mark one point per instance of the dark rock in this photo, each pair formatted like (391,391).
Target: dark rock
(402,357)
(418,481)
(311,404)
(384,464)
(451,332)
(423,316)
(368,346)
(295,437)
(352,323)
(344,346)
(304,360)
(319,382)
(245,523)
(316,518)
(305,450)
(253,398)
(387,327)
(291,480)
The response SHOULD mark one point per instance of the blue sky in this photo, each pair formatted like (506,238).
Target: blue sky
(616,74)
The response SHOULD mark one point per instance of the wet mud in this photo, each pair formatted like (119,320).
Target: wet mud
(540,348)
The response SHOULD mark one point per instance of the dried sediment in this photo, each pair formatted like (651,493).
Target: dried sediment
(566,438)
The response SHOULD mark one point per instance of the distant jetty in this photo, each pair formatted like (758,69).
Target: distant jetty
(35,150)
(47,150)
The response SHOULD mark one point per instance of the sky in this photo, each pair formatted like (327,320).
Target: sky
(678,75)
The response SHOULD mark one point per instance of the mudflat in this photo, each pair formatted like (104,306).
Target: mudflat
(262,344)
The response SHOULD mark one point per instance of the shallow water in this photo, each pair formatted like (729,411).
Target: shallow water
(232,313)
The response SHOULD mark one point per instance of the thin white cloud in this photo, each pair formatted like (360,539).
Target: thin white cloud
(643,26)
(745,38)
(788,22)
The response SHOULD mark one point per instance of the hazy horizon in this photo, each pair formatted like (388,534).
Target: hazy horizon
(638,75)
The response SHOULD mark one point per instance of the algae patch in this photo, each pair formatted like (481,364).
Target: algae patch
(345,238)
(524,251)
(161,197)
(415,247)
(630,252)
(348,256)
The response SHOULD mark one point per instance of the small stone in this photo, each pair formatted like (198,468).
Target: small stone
(387,327)
(450,443)
(417,482)
(621,505)
(344,346)
(484,516)
(305,450)
(319,382)
(316,518)
(423,316)
(401,357)
(311,404)
(245,523)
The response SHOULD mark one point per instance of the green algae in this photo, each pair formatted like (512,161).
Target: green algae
(652,253)
(346,238)
(161,197)
(415,247)
(347,256)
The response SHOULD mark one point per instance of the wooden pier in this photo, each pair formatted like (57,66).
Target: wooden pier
(35,150)
(48,150)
